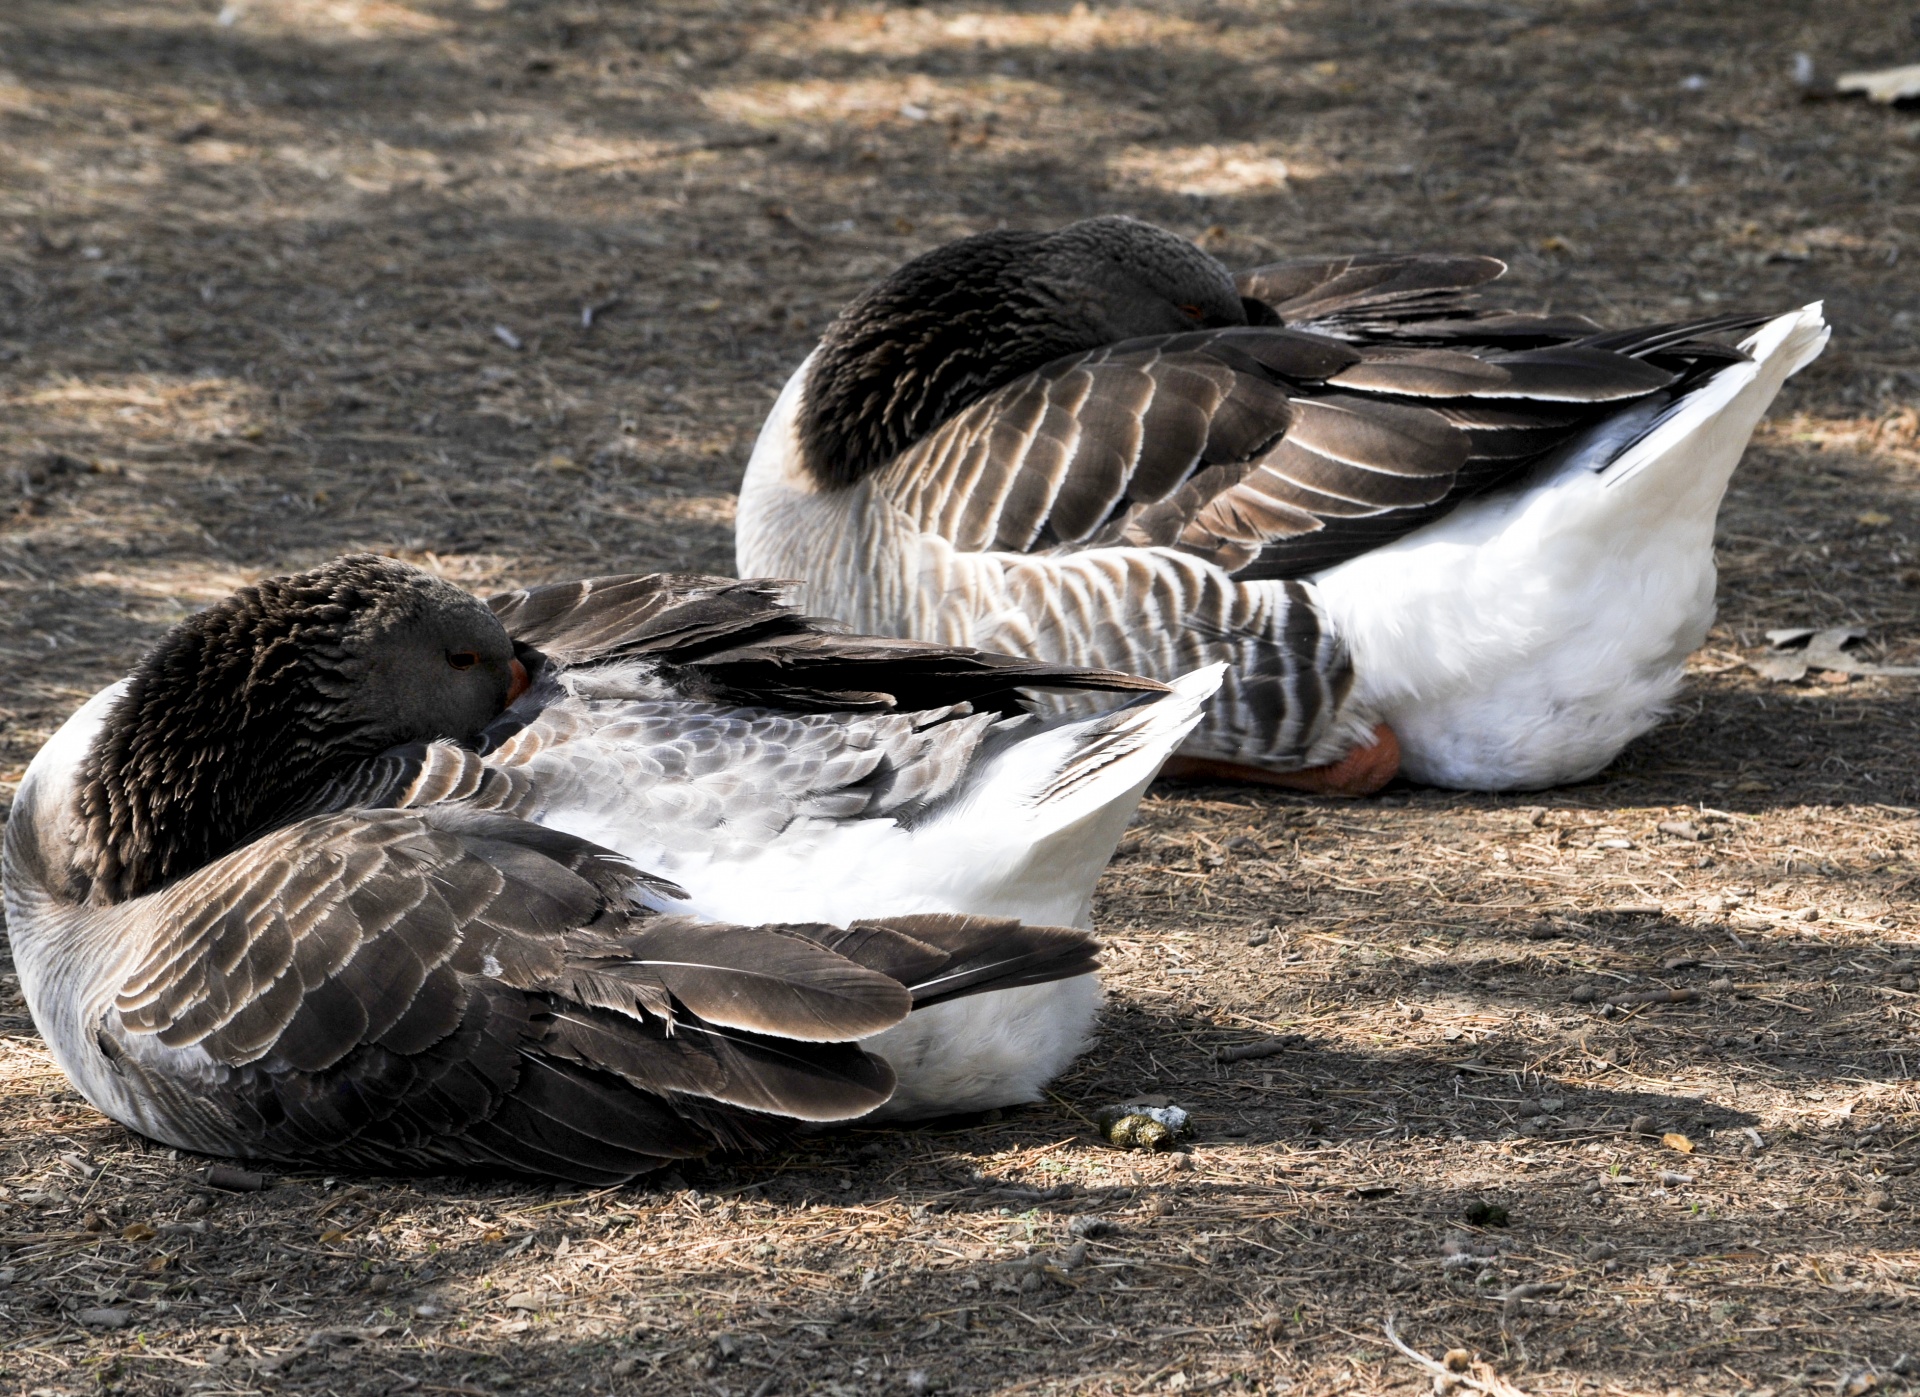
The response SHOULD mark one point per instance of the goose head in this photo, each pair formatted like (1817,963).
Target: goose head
(956,323)
(242,710)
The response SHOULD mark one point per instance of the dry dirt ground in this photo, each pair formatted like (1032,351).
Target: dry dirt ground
(505,288)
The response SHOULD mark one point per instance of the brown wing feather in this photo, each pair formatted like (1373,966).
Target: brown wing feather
(453,986)
(1274,452)
(743,643)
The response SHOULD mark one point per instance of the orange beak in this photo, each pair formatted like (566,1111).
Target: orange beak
(522,681)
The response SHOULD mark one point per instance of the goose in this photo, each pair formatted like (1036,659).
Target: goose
(1470,546)
(356,870)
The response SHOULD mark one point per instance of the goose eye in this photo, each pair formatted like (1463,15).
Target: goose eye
(462,659)
(1193,312)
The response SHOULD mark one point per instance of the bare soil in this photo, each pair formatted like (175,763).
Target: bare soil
(300,276)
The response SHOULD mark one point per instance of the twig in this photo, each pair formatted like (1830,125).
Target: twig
(1654,997)
(1492,1384)
(1245,1052)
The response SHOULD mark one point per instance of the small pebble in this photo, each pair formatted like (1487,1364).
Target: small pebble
(1723,985)
(105,1319)
(1807,914)
(918,1382)
(1584,994)
(1458,1360)
(1879,1200)
(1602,1251)
(1641,1125)
(1087,1225)
(1259,938)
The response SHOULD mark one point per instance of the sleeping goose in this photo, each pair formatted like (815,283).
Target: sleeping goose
(355,870)
(1468,545)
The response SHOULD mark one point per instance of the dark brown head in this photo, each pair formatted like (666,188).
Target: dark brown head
(272,690)
(960,321)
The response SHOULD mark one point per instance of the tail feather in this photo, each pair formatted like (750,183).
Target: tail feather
(941,956)
(1730,404)
(1028,837)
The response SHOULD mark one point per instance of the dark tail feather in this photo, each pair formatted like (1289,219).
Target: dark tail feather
(1651,339)
(942,956)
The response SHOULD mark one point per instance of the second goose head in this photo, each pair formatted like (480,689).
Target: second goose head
(241,707)
(958,322)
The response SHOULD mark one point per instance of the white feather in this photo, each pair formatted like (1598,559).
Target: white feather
(1526,637)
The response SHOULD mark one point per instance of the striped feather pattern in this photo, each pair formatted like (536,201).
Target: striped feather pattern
(351,976)
(1141,503)
(422,964)
(1235,443)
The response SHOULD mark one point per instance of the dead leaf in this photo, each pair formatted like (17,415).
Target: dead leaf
(1674,1140)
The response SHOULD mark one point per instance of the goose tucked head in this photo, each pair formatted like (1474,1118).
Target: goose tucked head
(240,709)
(958,322)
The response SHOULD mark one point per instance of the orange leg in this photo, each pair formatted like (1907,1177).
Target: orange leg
(1361,772)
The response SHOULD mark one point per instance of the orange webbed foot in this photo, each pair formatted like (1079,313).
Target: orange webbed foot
(1361,772)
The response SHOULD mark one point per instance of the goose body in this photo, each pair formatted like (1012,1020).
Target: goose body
(1476,544)
(663,868)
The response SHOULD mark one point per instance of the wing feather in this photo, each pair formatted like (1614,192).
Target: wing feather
(446,986)
(742,643)
(1274,450)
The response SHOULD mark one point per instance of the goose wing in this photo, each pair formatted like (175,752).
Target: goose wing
(744,643)
(1419,297)
(446,986)
(1274,451)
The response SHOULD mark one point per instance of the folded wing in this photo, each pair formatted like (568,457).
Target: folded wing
(1375,397)
(446,987)
(743,643)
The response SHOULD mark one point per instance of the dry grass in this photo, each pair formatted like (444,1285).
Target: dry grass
(250,275)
